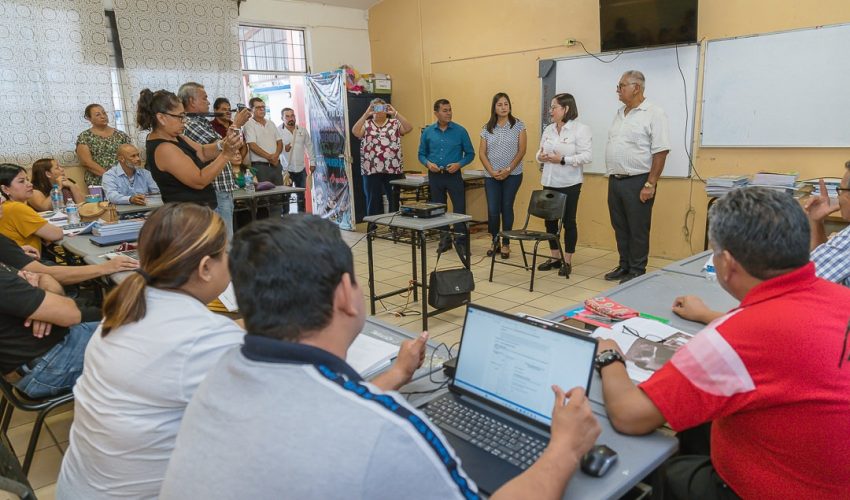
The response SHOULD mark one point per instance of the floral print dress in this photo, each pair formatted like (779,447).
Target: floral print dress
(380,148)
(104,150)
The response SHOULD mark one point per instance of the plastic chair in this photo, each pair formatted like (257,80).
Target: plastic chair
(544,204)
(15,399)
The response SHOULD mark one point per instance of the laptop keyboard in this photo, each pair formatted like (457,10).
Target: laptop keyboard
(493,436)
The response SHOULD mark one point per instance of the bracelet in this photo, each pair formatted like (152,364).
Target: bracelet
(219,146)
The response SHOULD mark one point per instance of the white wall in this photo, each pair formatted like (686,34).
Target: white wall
(335,35)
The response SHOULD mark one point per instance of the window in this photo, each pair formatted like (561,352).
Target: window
(116,64)
(272,50)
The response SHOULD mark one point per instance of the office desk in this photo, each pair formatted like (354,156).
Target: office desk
(471,179)
(124,211)
(637,455)
(434,357)
(243,200)
(691,266)
(82,247)
(418,230)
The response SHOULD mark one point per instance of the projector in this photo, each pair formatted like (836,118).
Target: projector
(423,210)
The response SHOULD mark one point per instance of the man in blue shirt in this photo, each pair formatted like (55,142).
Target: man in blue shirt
(445,148)
(127,182)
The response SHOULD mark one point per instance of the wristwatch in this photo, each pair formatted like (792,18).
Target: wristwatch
(607,357)
(563,160)
(649,185)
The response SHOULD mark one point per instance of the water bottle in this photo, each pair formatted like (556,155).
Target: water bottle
(249,181)
(71,212)
(56,199)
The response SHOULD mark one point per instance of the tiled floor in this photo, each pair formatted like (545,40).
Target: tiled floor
(508,292)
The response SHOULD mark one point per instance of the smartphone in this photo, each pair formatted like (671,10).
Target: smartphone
(240,107)
(380,108)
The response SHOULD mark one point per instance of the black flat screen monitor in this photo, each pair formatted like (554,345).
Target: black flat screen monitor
(627,24)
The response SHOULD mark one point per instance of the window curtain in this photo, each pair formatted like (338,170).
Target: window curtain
(166,43)
(54,61)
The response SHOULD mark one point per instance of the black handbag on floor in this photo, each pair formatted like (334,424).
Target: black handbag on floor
(450,287)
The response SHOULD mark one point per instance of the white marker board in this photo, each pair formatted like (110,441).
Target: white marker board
(593,84)
(786,89)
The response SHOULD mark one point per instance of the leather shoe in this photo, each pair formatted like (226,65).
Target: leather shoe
(629,277)
(565,270)
(549,265)
(616,273)
(444,246)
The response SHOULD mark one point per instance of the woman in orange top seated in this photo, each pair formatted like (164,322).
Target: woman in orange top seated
(20,222)
(47,173)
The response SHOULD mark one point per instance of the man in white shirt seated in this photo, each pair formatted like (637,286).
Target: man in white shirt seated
(284,415)
(128,182)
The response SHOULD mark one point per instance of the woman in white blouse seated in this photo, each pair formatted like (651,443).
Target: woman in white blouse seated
(155,346)
(565,147)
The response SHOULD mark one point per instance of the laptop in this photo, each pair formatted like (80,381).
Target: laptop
(498,411)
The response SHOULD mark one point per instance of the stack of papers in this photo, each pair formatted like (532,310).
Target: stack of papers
(778,181)
(648,344)
(720,185)
(121,227)
(369,356)
(812,186)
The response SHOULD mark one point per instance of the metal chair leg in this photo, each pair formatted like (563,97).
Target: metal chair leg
(524,258)
(533,265)
(36,432)
(492,264)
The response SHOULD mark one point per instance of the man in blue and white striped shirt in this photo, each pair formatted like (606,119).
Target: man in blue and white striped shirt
(831,256)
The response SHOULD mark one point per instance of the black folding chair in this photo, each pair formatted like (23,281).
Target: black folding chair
(15,399)
(544,204)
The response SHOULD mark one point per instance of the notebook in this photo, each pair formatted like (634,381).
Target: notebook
(368,355)
(498,410)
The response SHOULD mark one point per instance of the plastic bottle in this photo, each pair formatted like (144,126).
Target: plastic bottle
(249,181)
(56,199)
(71,212)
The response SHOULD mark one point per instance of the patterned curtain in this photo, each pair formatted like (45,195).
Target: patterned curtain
(166,43)
(54,60)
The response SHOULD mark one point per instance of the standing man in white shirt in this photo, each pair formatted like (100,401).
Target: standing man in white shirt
(296,142)
(638,143)
(264,143)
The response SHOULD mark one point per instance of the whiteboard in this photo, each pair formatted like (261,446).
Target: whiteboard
(789,89)
(594,84)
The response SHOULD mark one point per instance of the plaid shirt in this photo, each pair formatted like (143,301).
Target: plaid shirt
(832,259)
(200,130)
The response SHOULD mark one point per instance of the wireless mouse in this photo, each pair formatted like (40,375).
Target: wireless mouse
(598,460)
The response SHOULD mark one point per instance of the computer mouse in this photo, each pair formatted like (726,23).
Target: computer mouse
(598,460)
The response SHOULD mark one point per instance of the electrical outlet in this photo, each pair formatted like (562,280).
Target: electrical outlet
(569,42)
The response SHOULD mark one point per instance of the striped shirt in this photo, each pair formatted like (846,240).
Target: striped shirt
(200,130)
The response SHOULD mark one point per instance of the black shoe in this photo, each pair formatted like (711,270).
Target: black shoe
(444,246)
(549,265)
(617,273)
(565,270)
(630,276)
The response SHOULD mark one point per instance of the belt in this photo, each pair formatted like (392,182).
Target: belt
(20,372)
(260,163)
(620,177)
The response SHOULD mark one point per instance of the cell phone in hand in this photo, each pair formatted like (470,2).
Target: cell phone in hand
(380,108)
(240,107)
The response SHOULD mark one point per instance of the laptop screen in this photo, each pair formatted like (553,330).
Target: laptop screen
(513,362)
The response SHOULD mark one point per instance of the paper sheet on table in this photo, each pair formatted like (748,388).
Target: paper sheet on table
(228,299)
(368,355)
(643,355)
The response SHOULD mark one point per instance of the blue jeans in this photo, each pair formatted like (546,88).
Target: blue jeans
(451,184)
(225,210)
(61,366)
(500,204)
(375,186)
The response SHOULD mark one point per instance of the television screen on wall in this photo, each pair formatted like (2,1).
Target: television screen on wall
(627,24)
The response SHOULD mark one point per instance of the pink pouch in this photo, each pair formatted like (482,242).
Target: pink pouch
(607,307)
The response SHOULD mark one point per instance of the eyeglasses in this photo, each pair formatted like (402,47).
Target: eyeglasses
(554,107)
(839,190)
(632,331)
(621,86)
(259,108)
(181,116)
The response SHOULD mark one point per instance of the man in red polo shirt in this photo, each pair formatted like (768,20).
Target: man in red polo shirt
(769,374)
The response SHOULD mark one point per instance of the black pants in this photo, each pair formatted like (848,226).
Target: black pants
(451,184)
(569,218)
(299,180)
(631,220)
(375,186)
(691,477)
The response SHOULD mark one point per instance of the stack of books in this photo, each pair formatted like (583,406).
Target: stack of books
(778,181)
(720,185)
(120,227)
(812,186)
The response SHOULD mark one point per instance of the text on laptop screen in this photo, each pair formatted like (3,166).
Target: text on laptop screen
(514,364)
